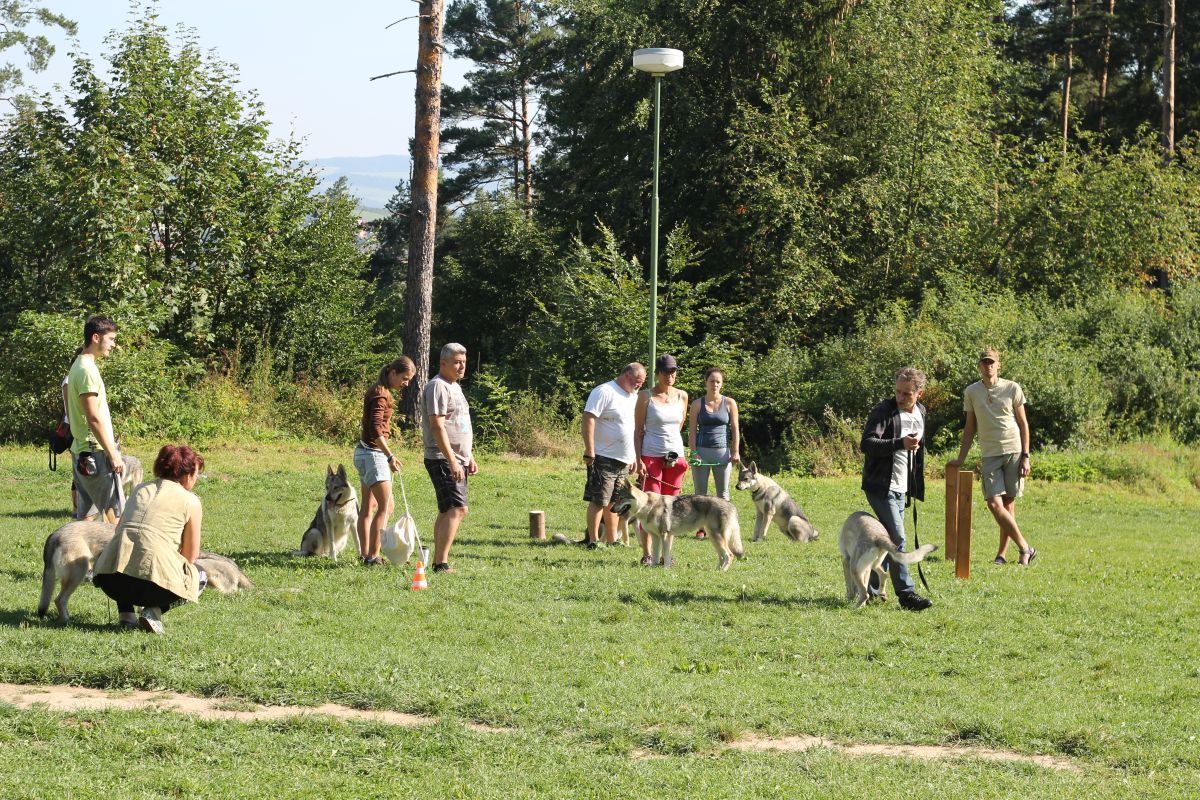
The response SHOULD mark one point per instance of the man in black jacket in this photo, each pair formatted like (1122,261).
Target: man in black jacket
(893,442)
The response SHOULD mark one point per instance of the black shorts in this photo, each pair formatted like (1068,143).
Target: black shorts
(603,475)
(450,493)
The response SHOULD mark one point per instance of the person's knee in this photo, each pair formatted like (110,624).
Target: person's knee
(995,503)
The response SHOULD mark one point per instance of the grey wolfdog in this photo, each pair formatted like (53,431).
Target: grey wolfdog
(336,518)
(70,552)
(223,573)
(663,518)
(772,503)
(68,556)
(864,543)
(133,474)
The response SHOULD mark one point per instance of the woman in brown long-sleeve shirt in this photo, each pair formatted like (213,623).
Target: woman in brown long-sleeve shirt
(374,459)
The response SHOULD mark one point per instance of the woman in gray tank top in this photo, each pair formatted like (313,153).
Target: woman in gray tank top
(714,435)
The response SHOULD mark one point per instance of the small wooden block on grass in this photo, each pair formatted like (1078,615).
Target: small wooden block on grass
(537,525)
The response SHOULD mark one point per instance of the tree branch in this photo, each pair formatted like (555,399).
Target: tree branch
(390,74)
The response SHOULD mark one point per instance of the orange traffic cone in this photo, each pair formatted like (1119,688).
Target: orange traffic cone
(419,581)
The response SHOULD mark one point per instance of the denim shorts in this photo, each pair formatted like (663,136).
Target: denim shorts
(372,465)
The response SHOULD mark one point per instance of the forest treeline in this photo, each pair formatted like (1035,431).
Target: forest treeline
(848,186)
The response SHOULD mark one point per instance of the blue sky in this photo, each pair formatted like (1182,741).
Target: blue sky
(309,60)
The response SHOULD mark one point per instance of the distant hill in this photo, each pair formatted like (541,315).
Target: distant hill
(372,179)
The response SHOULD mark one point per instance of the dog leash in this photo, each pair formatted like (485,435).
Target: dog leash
(917,540)
(407,513)
(916,537)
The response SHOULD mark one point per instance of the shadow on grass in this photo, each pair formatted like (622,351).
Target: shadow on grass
(513,541)
(11,618)
(41,513)
(686,596)
(285,560)
(18,575)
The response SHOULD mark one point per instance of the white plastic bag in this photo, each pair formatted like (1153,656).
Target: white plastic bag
(398,540)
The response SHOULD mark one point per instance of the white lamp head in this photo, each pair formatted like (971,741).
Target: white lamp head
(657,60)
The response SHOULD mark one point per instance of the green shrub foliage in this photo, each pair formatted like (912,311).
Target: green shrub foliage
(846,188)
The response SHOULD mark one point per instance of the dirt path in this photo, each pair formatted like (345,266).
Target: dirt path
(77,698)
(796,744)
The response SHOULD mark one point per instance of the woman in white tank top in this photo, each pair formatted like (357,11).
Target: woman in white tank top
(657,435)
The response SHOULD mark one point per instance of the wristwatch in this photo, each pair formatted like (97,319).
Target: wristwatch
(1024,455)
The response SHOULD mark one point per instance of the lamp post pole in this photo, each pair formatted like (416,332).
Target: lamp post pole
(657,61)
(654,225)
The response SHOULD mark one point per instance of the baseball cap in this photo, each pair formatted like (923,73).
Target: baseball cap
(990,354)
(665,363)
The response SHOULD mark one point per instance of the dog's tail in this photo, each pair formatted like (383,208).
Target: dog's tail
(735,539)
(48,573)
(913,556)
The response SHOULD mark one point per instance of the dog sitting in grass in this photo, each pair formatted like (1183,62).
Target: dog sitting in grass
(773,504)
(336,518)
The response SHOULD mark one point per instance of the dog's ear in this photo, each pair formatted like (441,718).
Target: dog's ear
(341,470)
(329,470)
(753,468)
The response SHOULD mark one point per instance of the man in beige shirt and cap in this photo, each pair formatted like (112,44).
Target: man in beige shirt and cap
(996,409)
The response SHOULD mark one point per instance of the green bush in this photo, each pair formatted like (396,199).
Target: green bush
(490,400)
(535,429)
(146,378)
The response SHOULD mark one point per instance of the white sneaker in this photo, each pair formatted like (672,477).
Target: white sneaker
(150,621)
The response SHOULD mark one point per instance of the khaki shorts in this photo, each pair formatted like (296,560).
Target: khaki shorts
(602,478)
(1002,476)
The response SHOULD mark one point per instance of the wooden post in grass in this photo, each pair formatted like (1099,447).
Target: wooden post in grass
(962,560)
(537,525)
(951,511)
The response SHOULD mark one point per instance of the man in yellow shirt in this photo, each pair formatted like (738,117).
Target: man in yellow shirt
(996,409)
(96,461)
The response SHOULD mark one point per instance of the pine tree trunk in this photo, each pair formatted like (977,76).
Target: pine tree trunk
(1168,80)
(418,297)
(526,147)
(1070,67)
(1105,58)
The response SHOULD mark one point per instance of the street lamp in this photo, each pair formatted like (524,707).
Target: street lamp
(658,61)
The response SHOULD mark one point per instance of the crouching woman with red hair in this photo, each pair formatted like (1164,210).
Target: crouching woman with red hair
(150,560)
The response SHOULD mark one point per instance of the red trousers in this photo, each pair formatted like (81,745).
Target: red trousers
(661,479)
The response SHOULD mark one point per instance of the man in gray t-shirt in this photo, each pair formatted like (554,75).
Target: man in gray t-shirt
(446,434)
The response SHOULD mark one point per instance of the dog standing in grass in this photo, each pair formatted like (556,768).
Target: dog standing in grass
(70,552)
(68,556)
(864,543)
(665,517)
(773,504)
(336,518)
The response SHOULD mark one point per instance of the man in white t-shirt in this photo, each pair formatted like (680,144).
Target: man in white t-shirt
(996,409)
(893,442)
(608,447)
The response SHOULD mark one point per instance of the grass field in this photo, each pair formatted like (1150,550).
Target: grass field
(610,679)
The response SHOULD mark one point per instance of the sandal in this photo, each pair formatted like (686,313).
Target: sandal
(999,561)
(1030,555)
(647,561)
